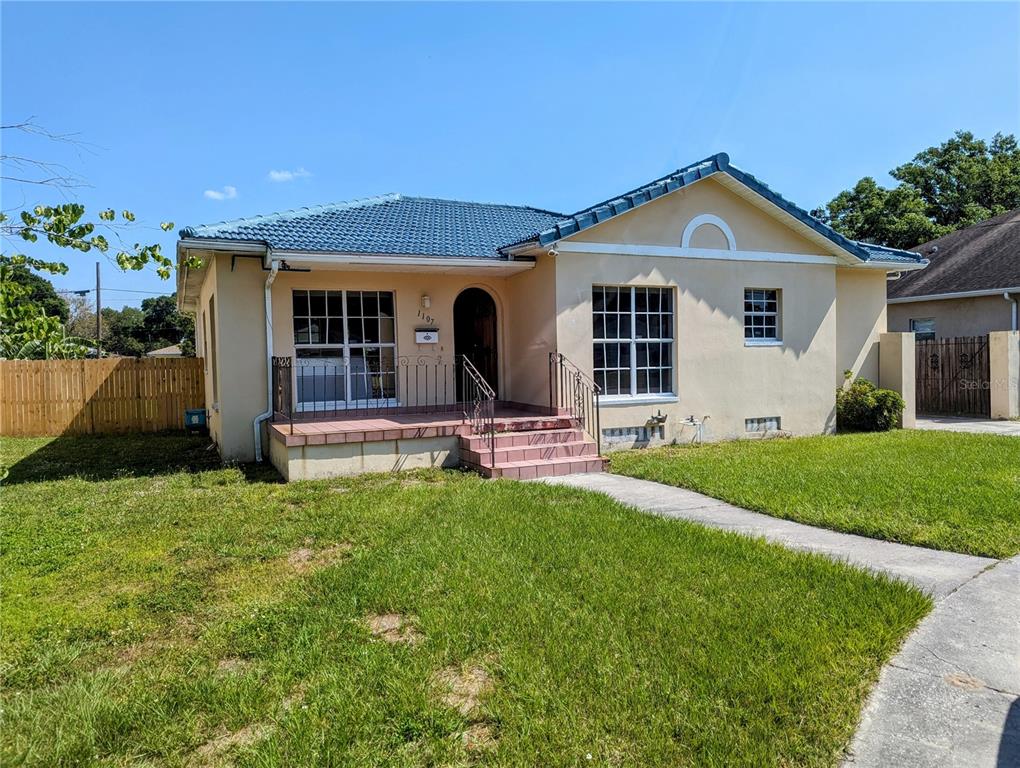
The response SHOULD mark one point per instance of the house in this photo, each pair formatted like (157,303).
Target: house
(402,331)
(174,350)
(971,287)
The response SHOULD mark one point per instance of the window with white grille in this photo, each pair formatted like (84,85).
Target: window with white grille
(633,340)
(345,347)
(761,315)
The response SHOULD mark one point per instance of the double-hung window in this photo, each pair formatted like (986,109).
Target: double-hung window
(761,316)
(633,336)
(345,348)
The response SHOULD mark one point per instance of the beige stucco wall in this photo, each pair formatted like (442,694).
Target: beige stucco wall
(313,462)
(241,354)
(408,290)
(662,222)
(715,373)
(532,334)
(860,320)
(203,348)
(955,317)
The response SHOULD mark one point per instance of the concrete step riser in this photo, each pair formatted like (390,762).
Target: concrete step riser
(532,453)
(506,441)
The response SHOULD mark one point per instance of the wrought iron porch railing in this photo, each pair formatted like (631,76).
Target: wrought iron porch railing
(308,388)
(573,392)
(479,405)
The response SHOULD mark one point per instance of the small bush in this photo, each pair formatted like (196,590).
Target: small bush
(863,407)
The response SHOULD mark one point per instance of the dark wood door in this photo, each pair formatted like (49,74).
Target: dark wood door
(474,336)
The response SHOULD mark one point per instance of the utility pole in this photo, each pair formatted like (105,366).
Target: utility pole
(99,316)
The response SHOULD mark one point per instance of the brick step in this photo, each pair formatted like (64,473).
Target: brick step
(483,457)
(530,470)
(534,424)
(535,437)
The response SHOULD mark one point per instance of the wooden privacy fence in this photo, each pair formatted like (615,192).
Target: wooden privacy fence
(125,394)
(953,376)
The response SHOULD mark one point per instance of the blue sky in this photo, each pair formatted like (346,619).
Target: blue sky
(555,106)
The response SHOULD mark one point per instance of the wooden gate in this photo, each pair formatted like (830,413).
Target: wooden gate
(953,377)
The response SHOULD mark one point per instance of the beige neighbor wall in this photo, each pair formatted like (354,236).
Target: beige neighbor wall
(955,317)
(831,318)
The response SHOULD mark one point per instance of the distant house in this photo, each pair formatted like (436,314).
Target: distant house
(970,288)
(174,350)
(403,331)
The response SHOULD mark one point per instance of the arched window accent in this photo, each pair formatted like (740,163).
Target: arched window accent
(707,218)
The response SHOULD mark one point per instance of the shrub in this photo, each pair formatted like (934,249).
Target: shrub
(863,407)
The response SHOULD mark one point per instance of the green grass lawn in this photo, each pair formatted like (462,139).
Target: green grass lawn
(945,490)
(161,610)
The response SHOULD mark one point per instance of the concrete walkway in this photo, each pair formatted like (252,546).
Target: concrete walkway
(979,426)
(951,696)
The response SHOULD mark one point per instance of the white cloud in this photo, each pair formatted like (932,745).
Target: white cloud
(300,173)
(227,193)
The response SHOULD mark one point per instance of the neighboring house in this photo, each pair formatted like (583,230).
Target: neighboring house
(971,287)
(174,350)
(702,293)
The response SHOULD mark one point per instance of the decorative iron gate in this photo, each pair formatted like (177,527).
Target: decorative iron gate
(952,377)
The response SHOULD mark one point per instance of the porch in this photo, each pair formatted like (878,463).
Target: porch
(425,419)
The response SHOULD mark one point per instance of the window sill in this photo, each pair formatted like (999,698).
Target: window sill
(763,342)
(636,399)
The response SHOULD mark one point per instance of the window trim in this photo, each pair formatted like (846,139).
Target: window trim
(344,347)
(764,341)
(634,397)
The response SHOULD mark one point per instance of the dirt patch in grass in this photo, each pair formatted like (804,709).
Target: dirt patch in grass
(462,688)
(233,666)
(213,750)
(480,737)
(393,628)
(304,559)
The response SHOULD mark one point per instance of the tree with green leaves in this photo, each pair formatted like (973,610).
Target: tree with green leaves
(959,183)
(26,328)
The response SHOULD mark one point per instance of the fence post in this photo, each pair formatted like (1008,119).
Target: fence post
(896,370)
(1004,373)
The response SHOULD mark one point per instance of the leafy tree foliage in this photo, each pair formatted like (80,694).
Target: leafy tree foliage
(38,289)
(133,332)
(961,182)
(28,327)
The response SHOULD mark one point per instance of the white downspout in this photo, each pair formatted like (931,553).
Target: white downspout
(1013,320)
(274,267)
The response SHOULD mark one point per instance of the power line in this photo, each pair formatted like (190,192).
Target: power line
(118,290)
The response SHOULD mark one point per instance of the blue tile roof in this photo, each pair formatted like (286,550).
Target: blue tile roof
(389,224)
(422,226)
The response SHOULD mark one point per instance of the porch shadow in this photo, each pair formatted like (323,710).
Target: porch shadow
(109,457)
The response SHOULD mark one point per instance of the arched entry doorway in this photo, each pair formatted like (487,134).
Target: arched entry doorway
(474,335)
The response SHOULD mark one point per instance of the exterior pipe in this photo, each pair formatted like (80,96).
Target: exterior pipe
(257,424)
(1013,319)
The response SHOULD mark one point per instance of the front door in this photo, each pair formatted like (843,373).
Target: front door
(474,335)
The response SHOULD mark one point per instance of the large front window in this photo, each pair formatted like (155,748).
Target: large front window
(345,345)
(633,333)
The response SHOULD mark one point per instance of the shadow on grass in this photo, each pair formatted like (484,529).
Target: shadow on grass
(108,457)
